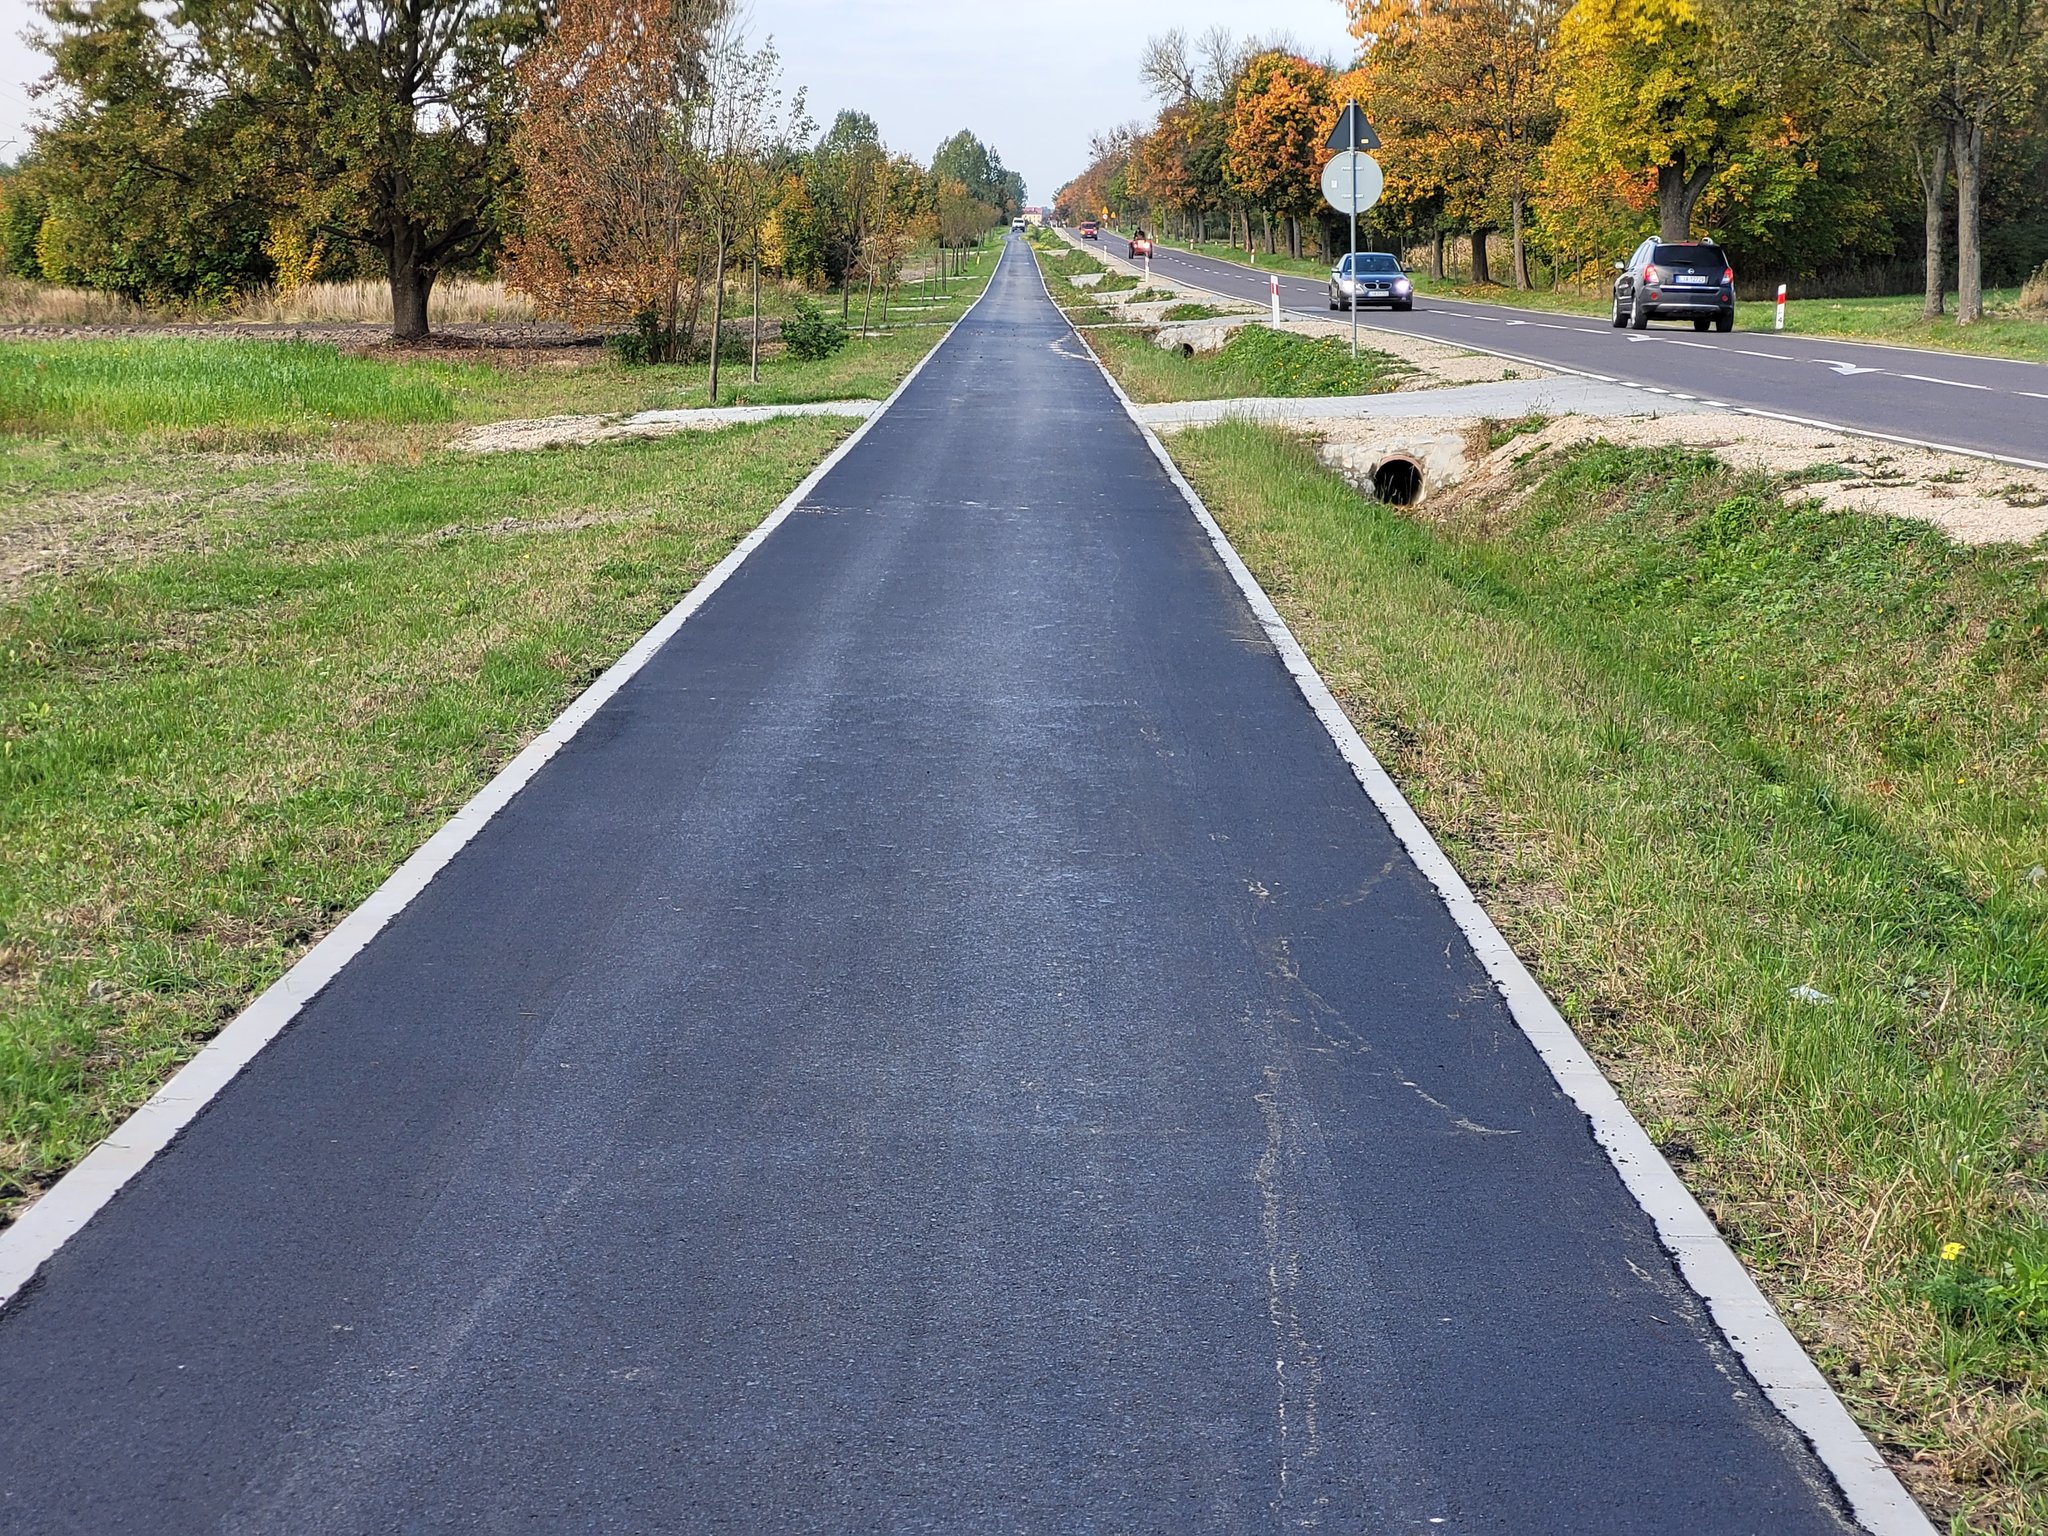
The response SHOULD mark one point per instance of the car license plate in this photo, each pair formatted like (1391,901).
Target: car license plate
(1690,279)
(1377,293)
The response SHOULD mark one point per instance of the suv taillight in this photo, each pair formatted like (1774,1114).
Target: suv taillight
(1650,274)
(1728,275)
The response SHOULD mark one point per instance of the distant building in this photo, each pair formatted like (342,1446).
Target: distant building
(1039,216)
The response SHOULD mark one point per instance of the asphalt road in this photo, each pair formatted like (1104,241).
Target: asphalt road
(948,1048)
(1988,405)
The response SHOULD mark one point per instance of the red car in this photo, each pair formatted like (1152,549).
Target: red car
(1141,245)
(1088,230)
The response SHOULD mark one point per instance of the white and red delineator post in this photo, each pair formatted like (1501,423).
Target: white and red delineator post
(1273,286)
(1781,309)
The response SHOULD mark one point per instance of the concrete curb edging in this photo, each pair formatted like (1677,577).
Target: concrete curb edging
(66,1207)
(1746,1319)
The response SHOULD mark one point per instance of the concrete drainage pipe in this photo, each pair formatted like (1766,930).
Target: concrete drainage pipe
(1398,482)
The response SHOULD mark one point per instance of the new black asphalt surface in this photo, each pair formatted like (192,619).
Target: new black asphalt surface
(949,1048)
(1986,404)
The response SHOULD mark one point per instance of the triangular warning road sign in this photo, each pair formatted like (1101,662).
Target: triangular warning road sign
(1352,122)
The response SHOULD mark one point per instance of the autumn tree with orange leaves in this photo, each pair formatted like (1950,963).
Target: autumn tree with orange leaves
(1280,117)
(613,224)
(1467,90)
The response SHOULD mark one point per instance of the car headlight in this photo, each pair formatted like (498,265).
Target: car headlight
(1404,286)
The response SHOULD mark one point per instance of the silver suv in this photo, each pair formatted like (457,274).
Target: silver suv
(1370,277)
(1663,281)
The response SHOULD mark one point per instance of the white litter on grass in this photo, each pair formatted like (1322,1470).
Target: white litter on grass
(1810,995)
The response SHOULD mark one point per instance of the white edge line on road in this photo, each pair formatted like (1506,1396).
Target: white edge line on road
(1745,1317)
(1746,410)
(76,1198)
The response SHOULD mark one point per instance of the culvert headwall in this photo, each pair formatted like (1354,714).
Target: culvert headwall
(1396,467)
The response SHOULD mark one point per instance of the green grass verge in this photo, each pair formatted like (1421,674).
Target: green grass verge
(1255,362)
(1697,749)
(262,632)
(130,386)
(1896,321)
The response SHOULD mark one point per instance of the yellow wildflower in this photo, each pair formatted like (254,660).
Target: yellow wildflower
(1950,1252)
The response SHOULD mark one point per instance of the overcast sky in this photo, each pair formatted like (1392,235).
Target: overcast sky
(1032,77)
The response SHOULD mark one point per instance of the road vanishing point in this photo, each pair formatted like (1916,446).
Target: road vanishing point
(949,1046)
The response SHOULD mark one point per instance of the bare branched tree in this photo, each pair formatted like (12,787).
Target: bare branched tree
(1168,68)
(1223,58)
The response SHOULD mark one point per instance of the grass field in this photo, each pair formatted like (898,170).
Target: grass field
(262,633)
(1895,320)
(164,386)
(367,302)
(1698,750)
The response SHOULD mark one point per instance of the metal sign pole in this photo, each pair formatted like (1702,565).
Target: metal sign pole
(1354,237)
(1353,130)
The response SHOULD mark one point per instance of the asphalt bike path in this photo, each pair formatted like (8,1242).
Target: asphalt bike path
(1984,405)
(948,1047)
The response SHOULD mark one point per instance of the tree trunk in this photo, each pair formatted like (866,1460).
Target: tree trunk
(412,281)
(754,348)
(1677,194)
(667,314)
(867,304)
(1436,254)
(1931,166)
(1969,153)
(1519,206)
(1482,273)
(717,303)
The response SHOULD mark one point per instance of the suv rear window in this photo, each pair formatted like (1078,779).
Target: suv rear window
(1690,256)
